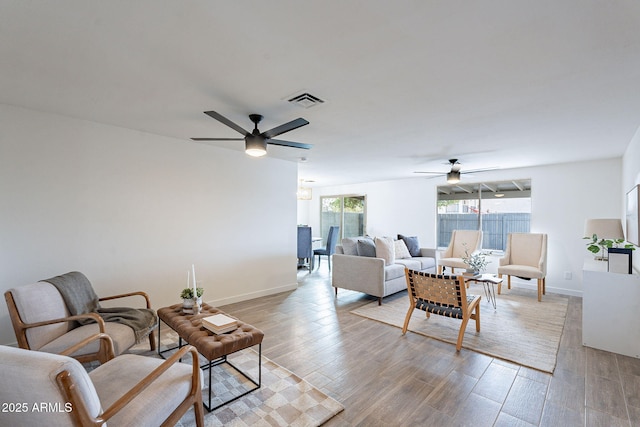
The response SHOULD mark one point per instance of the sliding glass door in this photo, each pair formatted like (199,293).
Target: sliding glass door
(347,212)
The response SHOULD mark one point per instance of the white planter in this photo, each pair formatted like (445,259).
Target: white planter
(187,304)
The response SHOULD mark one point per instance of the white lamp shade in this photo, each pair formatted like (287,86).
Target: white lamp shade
(604,228)
(304,193)
(255,146)
(453,177)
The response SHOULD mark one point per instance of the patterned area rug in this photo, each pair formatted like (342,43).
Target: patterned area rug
(520,330)
(284,399)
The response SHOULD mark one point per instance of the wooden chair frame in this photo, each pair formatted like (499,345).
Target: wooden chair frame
(82,418)
(102,355)
(443,295)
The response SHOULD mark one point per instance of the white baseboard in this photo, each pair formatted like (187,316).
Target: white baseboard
(252,295)
(533,285)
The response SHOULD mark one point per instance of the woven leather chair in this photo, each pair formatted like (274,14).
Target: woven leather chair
(442,295)
(525,256)
(126,391)
(461,240)
(41,321)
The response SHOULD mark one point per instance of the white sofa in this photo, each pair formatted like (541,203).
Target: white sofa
(374,275)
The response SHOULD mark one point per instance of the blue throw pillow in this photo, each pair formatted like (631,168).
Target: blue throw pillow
(412,244)
(366,247)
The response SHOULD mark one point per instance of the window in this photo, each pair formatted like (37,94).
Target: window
(347,212)
(496,208)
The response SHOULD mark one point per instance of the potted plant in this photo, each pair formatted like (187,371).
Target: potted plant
(187,297)
(476,262)
(596,245)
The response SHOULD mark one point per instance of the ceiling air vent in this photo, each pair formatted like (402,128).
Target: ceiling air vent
(305,100)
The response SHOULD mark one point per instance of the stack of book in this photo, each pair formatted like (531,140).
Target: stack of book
(220,323)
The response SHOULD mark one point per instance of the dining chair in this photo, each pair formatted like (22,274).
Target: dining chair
(330,249)
(305,249)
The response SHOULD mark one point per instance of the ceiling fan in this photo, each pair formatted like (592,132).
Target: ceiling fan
(256,141)
(453,176)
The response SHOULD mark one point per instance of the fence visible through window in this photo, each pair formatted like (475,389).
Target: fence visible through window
(496,208)
(495,227)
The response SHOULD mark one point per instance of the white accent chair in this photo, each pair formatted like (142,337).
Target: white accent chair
(41,321)
(130,390)
(461,240)
(526,257)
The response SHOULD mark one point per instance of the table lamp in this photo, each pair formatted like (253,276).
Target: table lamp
(603,229)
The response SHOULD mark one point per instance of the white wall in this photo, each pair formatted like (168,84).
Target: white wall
(563,196)
(133,211)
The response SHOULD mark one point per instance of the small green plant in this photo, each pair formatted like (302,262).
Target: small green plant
(187,293)
(476,262)
(596,245)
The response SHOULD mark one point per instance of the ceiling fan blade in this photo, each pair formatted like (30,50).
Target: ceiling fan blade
(217,139)
(289,144)
(293,124)
(224,120)
(480,170)
(431,173)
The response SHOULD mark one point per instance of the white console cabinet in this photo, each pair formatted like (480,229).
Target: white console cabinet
(610,309)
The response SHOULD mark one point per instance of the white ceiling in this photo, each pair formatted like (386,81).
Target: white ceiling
(407,84)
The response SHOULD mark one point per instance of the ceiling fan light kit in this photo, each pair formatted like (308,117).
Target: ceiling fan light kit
(453,177)
(256,142)
(255,146)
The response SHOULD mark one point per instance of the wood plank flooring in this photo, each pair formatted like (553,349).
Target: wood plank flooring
(386,379)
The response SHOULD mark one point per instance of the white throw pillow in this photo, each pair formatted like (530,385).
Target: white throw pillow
(385,249)
(401,249)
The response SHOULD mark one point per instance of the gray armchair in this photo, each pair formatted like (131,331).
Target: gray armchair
(42,321)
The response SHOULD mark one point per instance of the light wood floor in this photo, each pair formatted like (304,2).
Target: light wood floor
(385,379)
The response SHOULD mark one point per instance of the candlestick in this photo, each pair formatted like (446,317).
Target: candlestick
(195,289)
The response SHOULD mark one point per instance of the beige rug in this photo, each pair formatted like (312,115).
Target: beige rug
(284,399)
(521,329)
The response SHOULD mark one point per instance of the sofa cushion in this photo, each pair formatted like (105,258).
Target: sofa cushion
(393,272)
(124,372)
(385,250)
(29,377)
(350,245)
(37,302)
(366,247)
(412,244)
(410,263)
(425,262)
(401,249)
(122,335)
(417,263)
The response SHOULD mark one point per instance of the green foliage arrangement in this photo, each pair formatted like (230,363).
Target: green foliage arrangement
(476,262)
(595,245)
(187,293)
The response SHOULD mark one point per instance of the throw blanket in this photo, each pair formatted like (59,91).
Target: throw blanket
(80,298)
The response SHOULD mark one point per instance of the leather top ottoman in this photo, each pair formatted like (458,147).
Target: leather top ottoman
(189,327)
